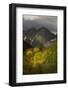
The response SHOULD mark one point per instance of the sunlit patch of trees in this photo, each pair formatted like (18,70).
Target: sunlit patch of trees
(40,60)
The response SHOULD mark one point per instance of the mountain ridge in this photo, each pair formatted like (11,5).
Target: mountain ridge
(38,37)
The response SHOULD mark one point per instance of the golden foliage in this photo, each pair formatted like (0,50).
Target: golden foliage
(39,58)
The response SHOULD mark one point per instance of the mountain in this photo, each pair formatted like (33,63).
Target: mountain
(38,37)
(30,33)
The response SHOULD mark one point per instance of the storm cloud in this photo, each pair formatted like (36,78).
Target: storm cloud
(37,21)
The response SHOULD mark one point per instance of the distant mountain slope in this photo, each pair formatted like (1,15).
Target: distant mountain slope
(37,38)
(30,33)
(44,35)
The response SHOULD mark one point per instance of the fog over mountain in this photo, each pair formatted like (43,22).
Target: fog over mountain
(36,21)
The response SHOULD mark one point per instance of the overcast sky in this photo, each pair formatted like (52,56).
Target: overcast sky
(37,21)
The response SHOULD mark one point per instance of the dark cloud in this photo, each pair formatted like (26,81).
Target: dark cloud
(49,22)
